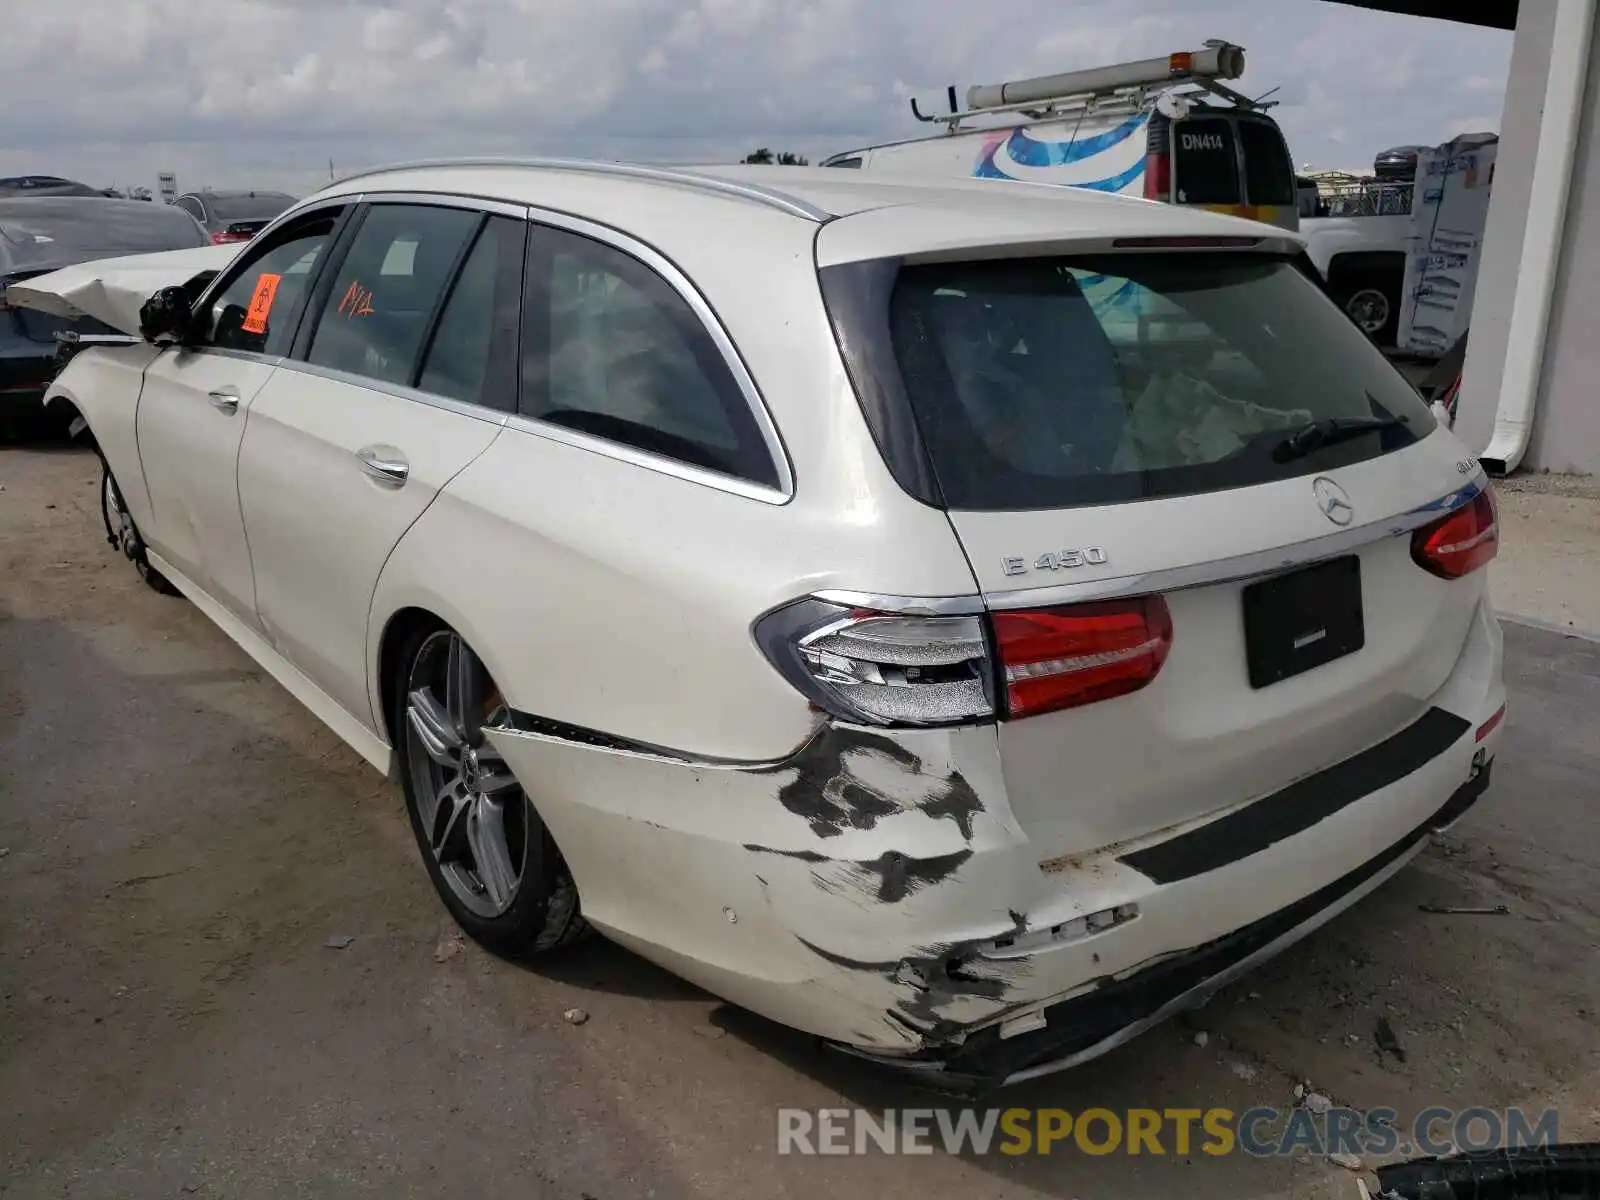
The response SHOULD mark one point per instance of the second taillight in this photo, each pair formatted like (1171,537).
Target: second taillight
(1062,657)
(1460,543)
(1158,159)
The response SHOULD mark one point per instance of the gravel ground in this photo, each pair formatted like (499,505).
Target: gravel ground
(1548,571)
(180,843)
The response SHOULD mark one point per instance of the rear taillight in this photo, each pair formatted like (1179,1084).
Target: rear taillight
(880,668)
(223,238)
(1157,176)
(1062,657)
(1460,543)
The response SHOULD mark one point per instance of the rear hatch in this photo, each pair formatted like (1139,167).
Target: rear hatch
(1234,163)
(1198,425)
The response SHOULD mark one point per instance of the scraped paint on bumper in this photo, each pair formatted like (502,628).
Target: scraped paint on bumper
(876,888)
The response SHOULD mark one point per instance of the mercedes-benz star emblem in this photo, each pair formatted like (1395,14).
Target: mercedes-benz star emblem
(1333,500)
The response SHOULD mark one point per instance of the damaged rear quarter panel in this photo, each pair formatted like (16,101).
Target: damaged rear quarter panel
(808,890)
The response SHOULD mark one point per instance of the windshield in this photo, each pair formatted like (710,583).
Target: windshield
(1051,382)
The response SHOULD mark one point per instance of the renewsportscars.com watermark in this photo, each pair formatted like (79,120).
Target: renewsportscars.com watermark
(1260,1132)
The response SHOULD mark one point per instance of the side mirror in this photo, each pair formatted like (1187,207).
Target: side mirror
(165,316)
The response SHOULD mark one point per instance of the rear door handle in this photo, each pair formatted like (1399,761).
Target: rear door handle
(224,399)
(384,464)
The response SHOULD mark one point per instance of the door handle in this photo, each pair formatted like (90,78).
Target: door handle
(224,399)
(384,464)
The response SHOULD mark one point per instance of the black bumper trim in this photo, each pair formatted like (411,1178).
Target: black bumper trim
(1302,804)
(1080,1024)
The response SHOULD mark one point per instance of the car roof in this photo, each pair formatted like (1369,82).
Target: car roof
(949,211)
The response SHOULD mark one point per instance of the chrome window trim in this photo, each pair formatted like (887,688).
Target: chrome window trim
(650,462)
(269,360)
(1224,570)
(478,412)
(1242,566)
(910,606)
(759,193)
(449,199)
(680,283)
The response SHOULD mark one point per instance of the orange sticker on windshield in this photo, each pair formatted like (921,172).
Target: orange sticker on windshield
(255,318)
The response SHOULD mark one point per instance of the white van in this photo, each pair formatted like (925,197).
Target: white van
(1150,128)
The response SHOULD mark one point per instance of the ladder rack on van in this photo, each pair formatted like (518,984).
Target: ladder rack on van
(1129,87)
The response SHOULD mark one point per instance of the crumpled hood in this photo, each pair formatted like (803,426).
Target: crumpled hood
(113,290)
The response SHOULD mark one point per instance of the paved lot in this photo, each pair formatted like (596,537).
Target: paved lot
(180,840)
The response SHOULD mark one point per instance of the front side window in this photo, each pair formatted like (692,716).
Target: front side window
(376,316)
(611,349)
(1054,382)
(258,308)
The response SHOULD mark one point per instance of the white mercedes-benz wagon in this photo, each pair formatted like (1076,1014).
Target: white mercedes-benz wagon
(967,621)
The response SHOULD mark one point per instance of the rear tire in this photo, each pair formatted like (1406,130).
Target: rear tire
(123,534)
(491,859)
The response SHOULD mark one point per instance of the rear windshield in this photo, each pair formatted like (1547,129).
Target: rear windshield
(1268,171)
(1205,162)
(261,207)
(57,231)
(1052,382)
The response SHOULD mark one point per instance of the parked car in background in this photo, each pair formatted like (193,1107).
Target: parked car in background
(799,577)
(45,185)
(42,235)
(233,216)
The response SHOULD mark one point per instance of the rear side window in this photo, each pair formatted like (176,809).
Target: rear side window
(611,349)
(1050,382)
(377,313)
(1205,161)
(1268,171)
(473,353)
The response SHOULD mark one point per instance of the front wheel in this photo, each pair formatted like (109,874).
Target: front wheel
(489,855)
(123,534)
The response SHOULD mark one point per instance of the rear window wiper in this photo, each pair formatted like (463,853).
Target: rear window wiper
(1329,432)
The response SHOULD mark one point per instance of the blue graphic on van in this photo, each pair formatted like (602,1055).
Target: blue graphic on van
(1028,152)
(1017,149)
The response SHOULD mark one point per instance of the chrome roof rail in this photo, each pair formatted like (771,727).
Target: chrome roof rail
(771,197)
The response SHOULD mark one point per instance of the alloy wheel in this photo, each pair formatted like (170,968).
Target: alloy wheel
(473,812)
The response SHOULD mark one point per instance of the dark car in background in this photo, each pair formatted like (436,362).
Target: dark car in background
(43,234)
(233,216)
(44,185)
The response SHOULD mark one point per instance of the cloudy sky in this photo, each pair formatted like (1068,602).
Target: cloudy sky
(266,92)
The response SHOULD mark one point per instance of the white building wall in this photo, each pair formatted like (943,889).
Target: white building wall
(1503,231)
(1566,427)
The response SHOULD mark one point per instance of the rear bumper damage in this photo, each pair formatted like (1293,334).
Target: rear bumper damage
(877,890)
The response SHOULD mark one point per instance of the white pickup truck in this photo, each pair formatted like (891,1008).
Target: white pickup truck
(1358,238)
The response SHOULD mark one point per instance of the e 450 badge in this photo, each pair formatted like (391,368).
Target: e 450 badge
(1066,560)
